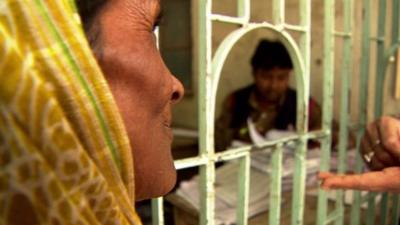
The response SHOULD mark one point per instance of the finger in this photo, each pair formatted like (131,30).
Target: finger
(384,157)
(372,133)
(373,161)
(385,180)
(371,143)
(389,129)
(376,164)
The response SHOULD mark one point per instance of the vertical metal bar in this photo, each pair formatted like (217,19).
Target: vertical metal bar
(244,9)
(380,68)
(207,172)
(384,215)
(379,83)
(395,20)
(278,12)
(344,102)
(157,210)
(371,208)
(395,210)
(363,102)
(302,117)
(276,186)
(242,208)
(329,45)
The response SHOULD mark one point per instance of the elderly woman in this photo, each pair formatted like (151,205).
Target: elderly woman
(81,141)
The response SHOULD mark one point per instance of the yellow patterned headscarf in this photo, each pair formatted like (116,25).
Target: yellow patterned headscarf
(64,154)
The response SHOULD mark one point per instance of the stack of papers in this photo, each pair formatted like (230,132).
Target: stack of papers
(226,192)
(226,182)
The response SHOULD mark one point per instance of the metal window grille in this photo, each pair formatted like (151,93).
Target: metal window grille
(209,70)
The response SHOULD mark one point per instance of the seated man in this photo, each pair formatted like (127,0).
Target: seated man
(269,103)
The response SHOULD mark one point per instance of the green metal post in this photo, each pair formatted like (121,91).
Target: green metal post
(278,12)
(344,102)
(243,7)
(395,210)
(302,118)
(207,171)
(329,45)
(379,83)
(276,186)
(157,211)
(242,207)
(363,102)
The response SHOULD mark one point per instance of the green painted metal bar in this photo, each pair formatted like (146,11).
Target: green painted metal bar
(242,151)
(378,107)
(328,64)
(357,199)
(380,68)
(278,12)
(276,186)
(342,34)
(299,66)
(395,210)
(395,21)
(333,216)
(206,145)
(228,19)
(384,215)
(344,102)
(243,7)
(363,102)
(370,218)
(295,28)
(302,117)
(242,207)
(157,210)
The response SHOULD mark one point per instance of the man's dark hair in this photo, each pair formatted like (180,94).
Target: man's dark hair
(271,54)
(88,11)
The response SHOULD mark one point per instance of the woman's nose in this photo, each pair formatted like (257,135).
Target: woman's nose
(177,90)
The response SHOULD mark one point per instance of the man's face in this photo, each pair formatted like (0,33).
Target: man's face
(143,88)
(271,84)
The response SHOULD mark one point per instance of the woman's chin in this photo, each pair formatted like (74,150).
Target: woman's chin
(162,184)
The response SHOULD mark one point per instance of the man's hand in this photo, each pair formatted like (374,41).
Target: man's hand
(380,149)
(380,146)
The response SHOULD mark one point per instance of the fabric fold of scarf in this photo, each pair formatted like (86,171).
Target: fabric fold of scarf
(64,154)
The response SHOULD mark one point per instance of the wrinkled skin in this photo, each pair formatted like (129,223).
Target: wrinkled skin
(385,162)
(271,84)
(143,88)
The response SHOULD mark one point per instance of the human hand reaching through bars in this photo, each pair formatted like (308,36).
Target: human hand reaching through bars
(380,149)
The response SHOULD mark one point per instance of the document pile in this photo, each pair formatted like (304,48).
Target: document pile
(226,183)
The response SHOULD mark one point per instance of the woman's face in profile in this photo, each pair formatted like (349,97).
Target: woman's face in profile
(143,88)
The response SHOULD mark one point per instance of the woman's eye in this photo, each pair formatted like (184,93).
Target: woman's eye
(155,26)
(158,21)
